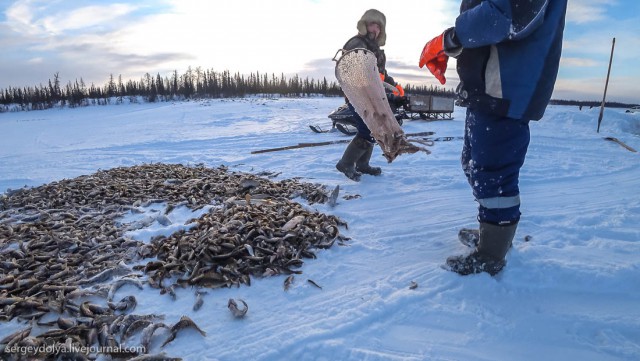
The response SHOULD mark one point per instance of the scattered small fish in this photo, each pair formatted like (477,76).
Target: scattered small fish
(71,261)
(184,322)
(119,283)
(288,282)
(126,304)
(249,250)
(147,334)
(313,283)
(292,223)
(333,198)
(199,300)
(65,323)
(247,184)
(170,290)
(107,274)
(156,357)
(135,326)
(15,337)
(233,307)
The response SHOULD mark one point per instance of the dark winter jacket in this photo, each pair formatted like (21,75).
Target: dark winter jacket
(363,42)
(511,53)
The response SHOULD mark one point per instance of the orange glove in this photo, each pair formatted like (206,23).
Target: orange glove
(434,58)
(400,91)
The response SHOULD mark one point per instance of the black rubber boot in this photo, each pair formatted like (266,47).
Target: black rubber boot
(469,237)
(347,164)
(362,165)
(493,245)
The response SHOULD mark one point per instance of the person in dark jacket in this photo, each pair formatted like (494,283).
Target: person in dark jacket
(371,36)
(508,54)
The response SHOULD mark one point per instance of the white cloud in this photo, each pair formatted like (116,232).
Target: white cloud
(85,17)
(578,62)
(19,17)
(276,36)
(586,11)
(42,19)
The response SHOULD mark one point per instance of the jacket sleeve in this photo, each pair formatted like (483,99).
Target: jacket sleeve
(494,21)
(382,68)
(389,79)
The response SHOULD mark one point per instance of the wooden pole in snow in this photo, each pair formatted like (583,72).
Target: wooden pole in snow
(605,86)
(319,144)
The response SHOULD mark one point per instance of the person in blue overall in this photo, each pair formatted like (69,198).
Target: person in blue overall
(508,54)
(371,36)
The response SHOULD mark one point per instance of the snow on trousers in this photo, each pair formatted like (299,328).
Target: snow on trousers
(493,152)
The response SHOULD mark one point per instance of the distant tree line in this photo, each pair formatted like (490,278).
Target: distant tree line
(430,90)
(193,84)
(591,103)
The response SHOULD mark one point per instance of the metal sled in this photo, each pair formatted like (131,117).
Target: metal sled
(430,107)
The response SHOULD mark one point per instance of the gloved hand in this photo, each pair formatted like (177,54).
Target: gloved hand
(397,100)
(399,90)
(402,100)
(434,57)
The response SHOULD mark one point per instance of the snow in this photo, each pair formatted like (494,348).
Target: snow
(572,292)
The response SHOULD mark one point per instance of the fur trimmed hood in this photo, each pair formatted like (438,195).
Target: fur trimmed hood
(373,16)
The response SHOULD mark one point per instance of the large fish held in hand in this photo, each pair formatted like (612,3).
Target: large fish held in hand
(357,73)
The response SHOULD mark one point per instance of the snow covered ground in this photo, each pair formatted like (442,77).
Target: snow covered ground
(572,292)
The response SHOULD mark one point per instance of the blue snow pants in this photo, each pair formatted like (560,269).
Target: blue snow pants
(493,153)
(361,127)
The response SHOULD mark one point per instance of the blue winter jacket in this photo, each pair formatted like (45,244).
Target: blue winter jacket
(510,57)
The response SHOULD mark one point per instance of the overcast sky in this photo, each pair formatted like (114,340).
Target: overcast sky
(91,39)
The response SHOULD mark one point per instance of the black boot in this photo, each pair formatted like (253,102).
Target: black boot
(362,165)
(469,237)
(347,164)
(493,244)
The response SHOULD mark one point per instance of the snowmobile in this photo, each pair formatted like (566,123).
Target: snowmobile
(343,118)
